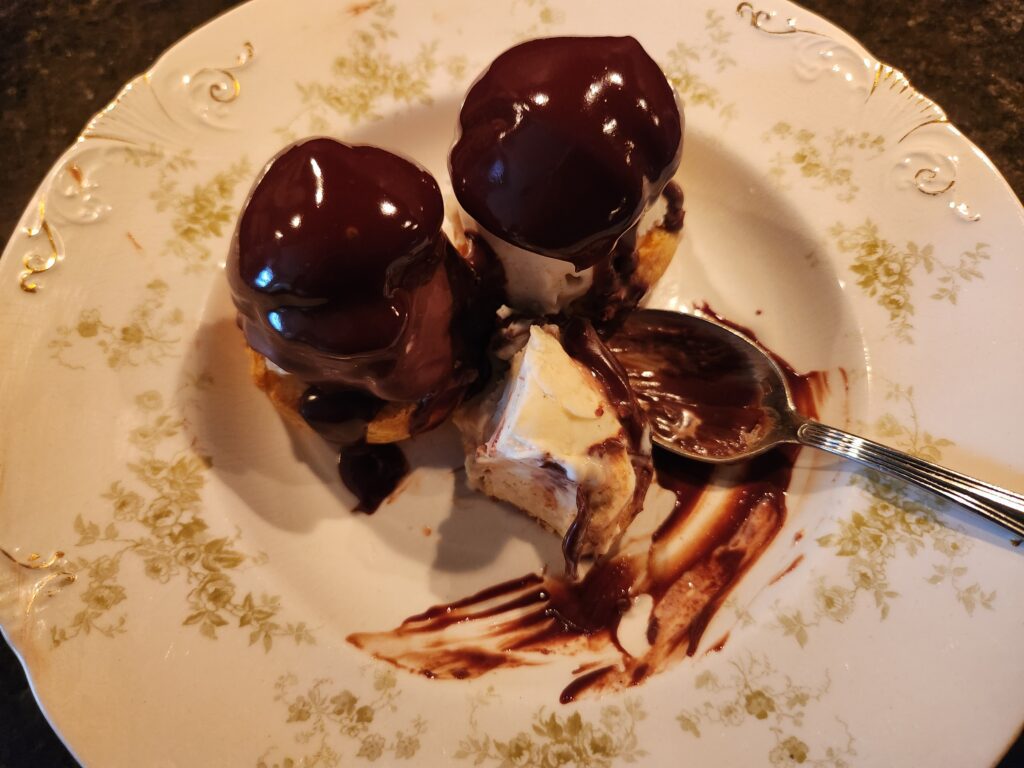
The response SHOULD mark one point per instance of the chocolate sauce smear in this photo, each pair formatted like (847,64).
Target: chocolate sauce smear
(689,560)
(564,143)
(616,289)
(582,343)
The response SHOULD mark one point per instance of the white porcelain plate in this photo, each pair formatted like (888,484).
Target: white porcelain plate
(211,568)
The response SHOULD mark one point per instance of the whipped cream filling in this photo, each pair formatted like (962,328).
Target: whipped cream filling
(534,283)
(550,410)
(537,284)
(546,434)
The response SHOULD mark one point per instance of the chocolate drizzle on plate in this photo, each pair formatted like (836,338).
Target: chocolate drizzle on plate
(372,472)
(722,519)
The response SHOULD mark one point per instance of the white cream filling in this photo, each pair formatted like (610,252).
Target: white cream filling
(529,442)
(551,409)
(535,283)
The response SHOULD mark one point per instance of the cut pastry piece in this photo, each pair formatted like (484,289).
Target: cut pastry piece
(549,440)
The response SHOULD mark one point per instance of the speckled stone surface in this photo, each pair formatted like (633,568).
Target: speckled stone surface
(62,61)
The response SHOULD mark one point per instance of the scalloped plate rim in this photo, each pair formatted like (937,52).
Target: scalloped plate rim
(826,25)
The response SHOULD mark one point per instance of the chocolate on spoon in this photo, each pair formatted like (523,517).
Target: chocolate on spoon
(715,395)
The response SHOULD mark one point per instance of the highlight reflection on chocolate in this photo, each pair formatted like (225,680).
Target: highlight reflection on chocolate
(722,520)
(700,391)
(564,142)
(341,275)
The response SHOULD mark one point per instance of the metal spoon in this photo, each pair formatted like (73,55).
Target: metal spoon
(766,409)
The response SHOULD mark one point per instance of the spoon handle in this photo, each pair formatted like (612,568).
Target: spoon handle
(999,505)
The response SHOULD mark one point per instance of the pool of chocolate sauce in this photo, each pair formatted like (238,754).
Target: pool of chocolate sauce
(696,382)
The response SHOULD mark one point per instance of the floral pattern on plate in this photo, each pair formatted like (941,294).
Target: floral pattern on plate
(229,584)
(157,518)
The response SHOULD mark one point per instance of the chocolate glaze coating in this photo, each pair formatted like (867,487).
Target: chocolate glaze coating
(564,142)
(583,344)
(340,272)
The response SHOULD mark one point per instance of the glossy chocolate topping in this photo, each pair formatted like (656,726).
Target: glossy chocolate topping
(337,269)
(564,142)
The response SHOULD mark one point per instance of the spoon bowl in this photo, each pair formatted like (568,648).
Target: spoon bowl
(714,394)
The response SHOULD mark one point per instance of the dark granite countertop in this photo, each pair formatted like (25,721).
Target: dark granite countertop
(62,61)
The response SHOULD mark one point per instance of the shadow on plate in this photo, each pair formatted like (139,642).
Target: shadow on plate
(286,474)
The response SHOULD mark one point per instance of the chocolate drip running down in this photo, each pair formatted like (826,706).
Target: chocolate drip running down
(674,213)
(617,289)
(722,519)
(572,542)
(564,143)
(342,277)
(582,343)
(372,472)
